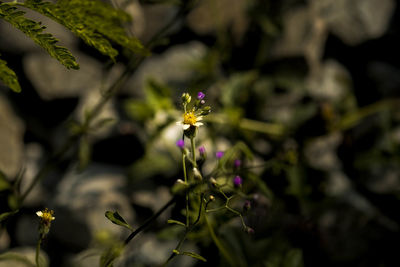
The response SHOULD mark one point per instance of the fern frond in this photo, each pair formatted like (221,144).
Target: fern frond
(8,77)
(34,30)
(91,20)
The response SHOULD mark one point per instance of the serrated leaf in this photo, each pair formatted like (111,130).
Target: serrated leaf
(115,218)
(193,255)
(8,77)
(34,30)
(4,216)
(93,21)
(176,222)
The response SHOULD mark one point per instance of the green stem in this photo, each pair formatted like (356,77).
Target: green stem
(150,220)
(38,252)
(187,192)
(192,142)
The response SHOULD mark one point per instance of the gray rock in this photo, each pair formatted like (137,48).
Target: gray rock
(321,152)
(148,250)
(82,200)
(209,16)
(11,140)
(355,21)
(172,67)
(330,83)
(52,80)
(28,253)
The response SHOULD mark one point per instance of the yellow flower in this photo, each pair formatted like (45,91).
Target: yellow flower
(46,215)
(190,119)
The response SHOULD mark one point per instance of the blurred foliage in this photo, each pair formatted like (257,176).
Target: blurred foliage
(311,113)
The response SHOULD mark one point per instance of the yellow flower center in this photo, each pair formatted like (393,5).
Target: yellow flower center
(189,118)
(46,215)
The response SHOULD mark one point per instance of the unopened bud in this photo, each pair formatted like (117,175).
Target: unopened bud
(180,181)
(206,110)
(197,174)
(186,98)
(212,198)
(213,181)
(249,230)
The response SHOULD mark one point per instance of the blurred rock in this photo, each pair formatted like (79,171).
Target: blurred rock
(52,80)
(148,250)
(355,21)
(33,156)
(331,83)
(153,200)
(11,140)
(303,35)
(18,42)
(29,254)
(172,67)
(321,152)
(4,240)
(82,200)
(210,16)
(26,230)
(155,18)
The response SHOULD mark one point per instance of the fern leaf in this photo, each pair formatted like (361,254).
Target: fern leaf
(91,20)
(8,77)
(34,30)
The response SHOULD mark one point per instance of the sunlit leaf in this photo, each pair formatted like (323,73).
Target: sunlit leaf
(115,218)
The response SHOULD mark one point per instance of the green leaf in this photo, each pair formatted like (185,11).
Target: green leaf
(193,255)
(109,255)
(115,218)
(176,222)
(4,216)
(13,202)
(34,30)
(16,257)
(8,77)
(93,21)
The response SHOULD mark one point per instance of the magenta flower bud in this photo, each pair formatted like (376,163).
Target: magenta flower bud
(219,154)
(202,150)
(237,181)
(180,143)
(249,230)
(200,95)
(237,163)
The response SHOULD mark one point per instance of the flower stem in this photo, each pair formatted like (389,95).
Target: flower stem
(192,142)
(38,252)
(187,193)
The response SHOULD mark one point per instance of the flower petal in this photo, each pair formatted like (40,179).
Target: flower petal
(186,126)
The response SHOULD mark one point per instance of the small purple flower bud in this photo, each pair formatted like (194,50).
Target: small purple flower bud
(237,163)
(202,150)
(180,143)
(219,154)
(249,230)
(200,95)
(237,181)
